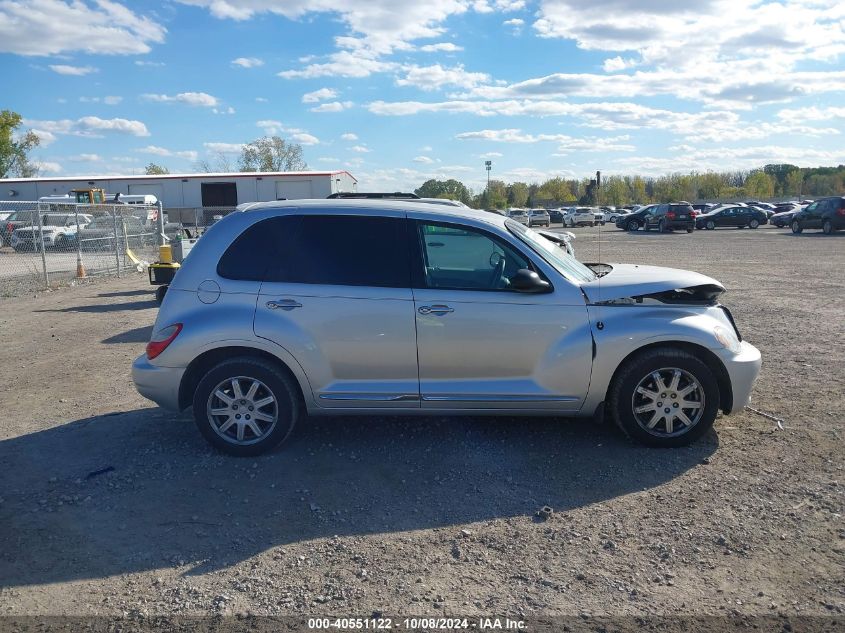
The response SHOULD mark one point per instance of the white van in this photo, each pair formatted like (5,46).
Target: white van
(122,198)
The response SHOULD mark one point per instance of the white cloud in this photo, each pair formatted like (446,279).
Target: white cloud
(812,114)
(349,136)
(333,106)
(328,159)
(360,149)
(341,64)
(48,167)
(108,100)
(90,126)
(615,64)
(515,24)
(189,98)
(229,110)
(149,64)
(261,100)
(248,62)
(162,151)
(436,76)
(424,159)
(75,71)
(304,139)
(270,126)
(319,95)
(491,155)
(224,148)
(565,142)
(441,47)
(85,158)
(53,27)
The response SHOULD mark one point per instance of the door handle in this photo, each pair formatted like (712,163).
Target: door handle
(284,304)
(435,309)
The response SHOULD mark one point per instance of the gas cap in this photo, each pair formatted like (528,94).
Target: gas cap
(208,291)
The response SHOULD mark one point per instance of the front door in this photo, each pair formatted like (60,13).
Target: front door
(338,298)
(482,345)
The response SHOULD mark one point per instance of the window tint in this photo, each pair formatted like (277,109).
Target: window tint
(249,256)
(463,258)
(345,250)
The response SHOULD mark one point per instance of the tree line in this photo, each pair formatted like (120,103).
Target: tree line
(771,181)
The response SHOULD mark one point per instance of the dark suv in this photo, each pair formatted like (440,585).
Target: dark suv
(669,217)
(633,221)
(827,214)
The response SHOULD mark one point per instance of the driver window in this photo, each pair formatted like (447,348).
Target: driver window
(463,258)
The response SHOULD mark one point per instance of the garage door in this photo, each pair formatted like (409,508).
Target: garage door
(293,189)
(147,190)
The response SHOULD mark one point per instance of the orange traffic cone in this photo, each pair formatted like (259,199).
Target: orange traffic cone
(80,269)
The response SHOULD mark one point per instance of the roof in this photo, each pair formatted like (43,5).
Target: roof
(232,174)
(401,205)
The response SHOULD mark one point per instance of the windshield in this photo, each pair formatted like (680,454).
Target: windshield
(562,261)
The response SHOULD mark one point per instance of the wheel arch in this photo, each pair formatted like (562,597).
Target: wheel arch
(710,359)
(198,367)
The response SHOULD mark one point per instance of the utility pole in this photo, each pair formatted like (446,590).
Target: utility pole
(488,164)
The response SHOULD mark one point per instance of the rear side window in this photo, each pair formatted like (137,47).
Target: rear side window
(345,250)
(253,251)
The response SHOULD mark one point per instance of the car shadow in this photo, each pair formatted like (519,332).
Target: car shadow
(106,307)
(126,293)
(813,233)
(141,490)
(136,335)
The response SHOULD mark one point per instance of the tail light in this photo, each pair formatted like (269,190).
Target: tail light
(10,227)
(693,213)
(841,209)
(670,215)
(161,339)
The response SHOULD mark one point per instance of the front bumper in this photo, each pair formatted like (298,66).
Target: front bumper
(742,369)
(159,384)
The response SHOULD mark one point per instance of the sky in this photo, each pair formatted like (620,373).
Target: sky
(397,92)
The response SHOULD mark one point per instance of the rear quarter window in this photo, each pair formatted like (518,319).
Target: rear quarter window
(252,253)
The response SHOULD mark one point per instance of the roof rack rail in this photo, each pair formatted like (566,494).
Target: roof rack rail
(374,195)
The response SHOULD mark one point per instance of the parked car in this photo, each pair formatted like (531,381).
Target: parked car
(16,220)
(738,217)
(99,234)
(519,215)
(633,221)
(598,214)
(670,217)
(827,214)
(366,307)
(615,214)
(579,216)
(785,213)
(556,215)
(539,217)
(58,230)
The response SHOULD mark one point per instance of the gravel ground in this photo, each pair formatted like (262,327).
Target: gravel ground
(430,515)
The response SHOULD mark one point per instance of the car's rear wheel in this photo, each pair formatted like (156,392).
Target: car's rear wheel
(633,225)
(661,226)
(246,406)
(710,225)
(796,227)
(827,227)
(664,397)
(690,230)
(754,223)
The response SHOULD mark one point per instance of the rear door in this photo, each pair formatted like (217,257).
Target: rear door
(484,346)
(338,298)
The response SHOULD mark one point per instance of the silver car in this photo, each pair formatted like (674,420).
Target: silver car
(389,307)
(539,217)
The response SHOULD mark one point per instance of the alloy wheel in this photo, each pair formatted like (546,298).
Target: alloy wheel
(668,402)
(242,410)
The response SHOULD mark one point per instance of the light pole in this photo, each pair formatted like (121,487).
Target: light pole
(488,165)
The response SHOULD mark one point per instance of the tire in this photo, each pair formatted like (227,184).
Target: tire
(827,227)
(283,411)
(623,397)
(661,227)
(62,243)
(710,225)
(633,225)
(690,230)
(160,292)
(796,227)
(754,223)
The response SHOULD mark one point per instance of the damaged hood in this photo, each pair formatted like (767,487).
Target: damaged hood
(632,280)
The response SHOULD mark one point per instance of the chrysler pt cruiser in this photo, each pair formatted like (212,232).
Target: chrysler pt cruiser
(385,307)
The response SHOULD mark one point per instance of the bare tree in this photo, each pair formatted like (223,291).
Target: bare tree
(221,164)
(272,153)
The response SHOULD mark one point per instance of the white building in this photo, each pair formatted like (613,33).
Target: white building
(191,191)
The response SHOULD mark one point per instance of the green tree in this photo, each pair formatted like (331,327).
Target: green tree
(14,151)
(517,194)
(451,189)
(794,183)
(638,190)
(614,191)
(556,189)
(759,184)
(156,170)
(271,153)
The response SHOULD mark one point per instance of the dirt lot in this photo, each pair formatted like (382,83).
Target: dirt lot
(430,516)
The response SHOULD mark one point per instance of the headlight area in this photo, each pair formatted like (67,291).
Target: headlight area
(727,339)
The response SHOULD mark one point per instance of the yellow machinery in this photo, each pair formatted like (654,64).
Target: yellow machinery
(89,196)
(162,271)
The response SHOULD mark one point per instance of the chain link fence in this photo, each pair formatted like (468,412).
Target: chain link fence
(46,244)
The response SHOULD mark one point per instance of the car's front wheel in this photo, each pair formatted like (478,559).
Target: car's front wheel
(664,397)
(633,225)
(754,223)
(827,227)
(796,227)
(710,225)
(246,406)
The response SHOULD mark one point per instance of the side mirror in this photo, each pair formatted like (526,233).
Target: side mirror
(525,280)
